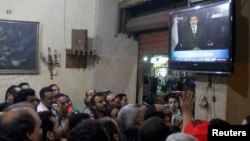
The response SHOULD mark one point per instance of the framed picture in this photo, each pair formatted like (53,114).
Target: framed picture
(19,47)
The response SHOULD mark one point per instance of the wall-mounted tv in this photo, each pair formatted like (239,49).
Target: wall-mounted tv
(202,38)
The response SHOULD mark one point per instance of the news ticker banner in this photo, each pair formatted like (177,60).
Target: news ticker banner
(234,132)
(201,55)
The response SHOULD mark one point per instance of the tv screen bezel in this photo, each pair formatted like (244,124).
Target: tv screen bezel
(204,67)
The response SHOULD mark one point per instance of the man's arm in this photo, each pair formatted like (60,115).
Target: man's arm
(187,103)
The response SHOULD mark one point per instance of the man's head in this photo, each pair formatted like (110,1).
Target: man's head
(121,99)
(152,112)
(64,102)
(11,93)
(27,95)
(76,119)
(19,105)
(153,129)
(47,97)
(173,102)
(24,85)
(50,127)
(98,103)
(55,88)
(111,100)
(180,137)
(111,127)
(87,101)
(193,21)
(129,117)
(166,111)
(90,130)
(90,92)
(20,124)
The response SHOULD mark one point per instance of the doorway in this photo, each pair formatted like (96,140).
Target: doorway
(157,80)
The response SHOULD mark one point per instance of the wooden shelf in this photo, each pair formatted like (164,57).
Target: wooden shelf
(77,58)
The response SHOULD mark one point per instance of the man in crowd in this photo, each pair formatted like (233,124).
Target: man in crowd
(47,99)
(20,124)
(51,129)
(27,95)
(98,105)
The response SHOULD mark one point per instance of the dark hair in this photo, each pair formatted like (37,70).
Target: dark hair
(172,95)
(120,96)
(4,105)
(18,106)
(92,100)
(23,95)
(11,90)
(52,85)
(110,126)
(193,15)
(17,128)
(47,124)
(90,130)
(131,134)
(217,121)
(22,84)
(151,111)
(86,101)
(76,118)
(60,95)
(43,91)
(153,129)
(109,110)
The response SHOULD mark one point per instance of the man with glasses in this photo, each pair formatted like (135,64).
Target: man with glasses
(64,108)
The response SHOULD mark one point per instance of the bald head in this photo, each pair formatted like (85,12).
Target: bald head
(20,124)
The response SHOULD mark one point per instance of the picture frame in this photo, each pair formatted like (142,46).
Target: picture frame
(19,41)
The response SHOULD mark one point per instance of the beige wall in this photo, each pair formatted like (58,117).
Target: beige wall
(218,90)
(116,68)
(57,18)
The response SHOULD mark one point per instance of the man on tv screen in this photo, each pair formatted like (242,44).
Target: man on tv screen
(194,37)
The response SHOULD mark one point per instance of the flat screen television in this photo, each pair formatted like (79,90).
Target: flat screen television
(202,38)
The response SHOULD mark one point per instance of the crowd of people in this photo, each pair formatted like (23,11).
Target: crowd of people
(106,117)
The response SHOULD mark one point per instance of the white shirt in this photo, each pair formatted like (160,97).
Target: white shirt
(178,116)
(194,29)
(41,107)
